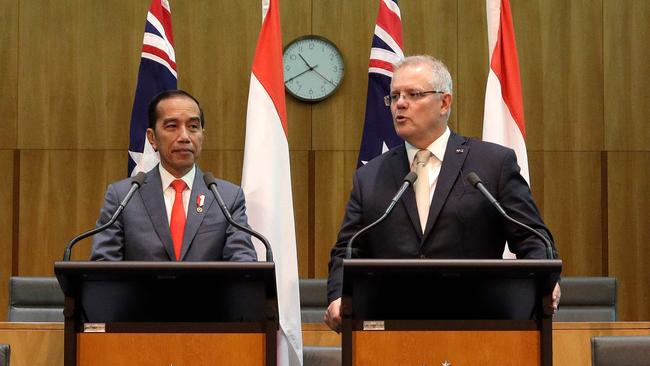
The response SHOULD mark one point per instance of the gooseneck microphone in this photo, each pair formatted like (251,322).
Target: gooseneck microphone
(211,182)
(406,182)
(475,181)
(136,182)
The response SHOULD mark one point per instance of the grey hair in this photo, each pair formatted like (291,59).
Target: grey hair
(441,78)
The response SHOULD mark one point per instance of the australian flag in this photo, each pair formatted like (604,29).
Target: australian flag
(378,133)
(157,74)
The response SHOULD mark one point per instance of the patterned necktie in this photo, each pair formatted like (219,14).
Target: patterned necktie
(177,222)
(422,186)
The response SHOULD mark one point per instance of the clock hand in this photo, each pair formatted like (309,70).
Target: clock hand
(311,68)
(306,63)
(291,78)
(321,75)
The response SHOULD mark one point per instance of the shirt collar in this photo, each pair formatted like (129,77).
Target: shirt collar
(167,178)
(437,148)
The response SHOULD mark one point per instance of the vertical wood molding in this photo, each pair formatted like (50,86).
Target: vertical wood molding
(604,209)
(311,271)
(15,259)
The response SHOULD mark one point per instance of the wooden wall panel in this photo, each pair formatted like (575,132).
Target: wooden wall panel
(78,68)
(215,43)
(572,209)
(332,190)
(473,63)
(628,201)
(7,220)
(61,194)
(571,90)
(8,72)
(527,18)
(431,27)
(627,74)
(225,164)
(337,122)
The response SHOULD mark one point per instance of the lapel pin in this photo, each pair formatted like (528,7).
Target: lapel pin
(200,200)
(460,151)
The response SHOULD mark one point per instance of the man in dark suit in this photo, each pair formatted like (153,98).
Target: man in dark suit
(443,216)
(174,216)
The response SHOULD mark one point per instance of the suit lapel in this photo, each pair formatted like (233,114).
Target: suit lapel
(194,216)
(400,166)
(152,196)
(455,154)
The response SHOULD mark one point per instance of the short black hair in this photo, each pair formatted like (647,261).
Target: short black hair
(152,114)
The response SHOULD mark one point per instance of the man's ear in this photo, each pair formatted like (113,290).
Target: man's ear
(447,99)
(152,140)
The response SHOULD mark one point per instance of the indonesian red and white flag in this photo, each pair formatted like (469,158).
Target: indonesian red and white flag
(503,118)
(266,178)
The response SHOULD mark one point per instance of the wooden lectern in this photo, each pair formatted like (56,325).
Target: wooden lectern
(169,313)
(447,312)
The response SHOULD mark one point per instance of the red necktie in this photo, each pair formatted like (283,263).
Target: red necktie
(177,222)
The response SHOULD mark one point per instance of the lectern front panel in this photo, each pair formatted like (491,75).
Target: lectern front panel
(127,349)
(475,347)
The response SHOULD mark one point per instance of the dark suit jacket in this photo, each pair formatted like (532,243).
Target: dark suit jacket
(142,233)
(462,224)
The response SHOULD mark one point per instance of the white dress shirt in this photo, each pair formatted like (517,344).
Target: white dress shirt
(437,148)
(169,193)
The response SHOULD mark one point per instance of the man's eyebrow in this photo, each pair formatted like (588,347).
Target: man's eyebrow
(406,88)
(175,119)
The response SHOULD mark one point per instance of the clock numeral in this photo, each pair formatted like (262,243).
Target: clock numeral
(287,67)
(335,68)
(322,88)
(292,57)
(311,46)
(311,91)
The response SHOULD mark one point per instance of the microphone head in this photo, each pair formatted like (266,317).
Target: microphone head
(473,179)
(139,178)
(411,177)
(209,179)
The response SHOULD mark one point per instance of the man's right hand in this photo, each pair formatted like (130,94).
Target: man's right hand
(333,315)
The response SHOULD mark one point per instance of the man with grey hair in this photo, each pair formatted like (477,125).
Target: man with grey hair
(443,217)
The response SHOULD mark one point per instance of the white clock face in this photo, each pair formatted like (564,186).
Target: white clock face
(313,68)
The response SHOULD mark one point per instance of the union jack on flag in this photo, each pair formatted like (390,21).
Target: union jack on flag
(378,133)
(157,73)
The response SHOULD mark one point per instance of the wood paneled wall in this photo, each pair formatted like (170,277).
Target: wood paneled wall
(68,71)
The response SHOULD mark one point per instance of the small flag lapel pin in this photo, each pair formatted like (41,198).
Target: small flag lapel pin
(200,200)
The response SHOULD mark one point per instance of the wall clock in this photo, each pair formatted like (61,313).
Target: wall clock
(313,68)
